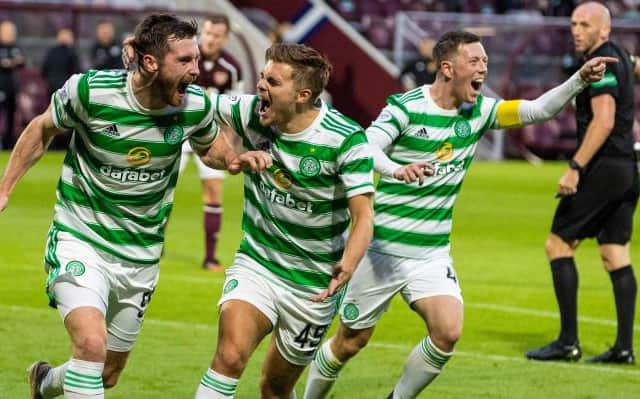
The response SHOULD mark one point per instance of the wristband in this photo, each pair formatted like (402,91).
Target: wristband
(575,166)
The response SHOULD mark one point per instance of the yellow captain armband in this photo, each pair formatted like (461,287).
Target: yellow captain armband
(507,114)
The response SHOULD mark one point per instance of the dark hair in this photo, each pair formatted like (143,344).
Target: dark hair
(448,44)
(310,68)
(219,19)
(153,32)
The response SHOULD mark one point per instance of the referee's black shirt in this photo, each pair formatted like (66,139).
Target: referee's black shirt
(618,82)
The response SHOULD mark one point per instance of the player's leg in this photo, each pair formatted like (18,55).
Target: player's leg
(376,281)
(614,240)
(301,327)
(133,288)
(211,180)
(247,315)
(278,375)
(434,293)
(80,292)
(331,358)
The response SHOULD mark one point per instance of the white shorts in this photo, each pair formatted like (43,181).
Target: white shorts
(298,323)
(205,172)
(81,275)
(380,276)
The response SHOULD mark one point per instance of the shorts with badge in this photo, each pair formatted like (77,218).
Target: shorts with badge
(205,172)
(299,324)
(379,277)
(80,275)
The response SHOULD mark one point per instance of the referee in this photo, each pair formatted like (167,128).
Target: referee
(599,192)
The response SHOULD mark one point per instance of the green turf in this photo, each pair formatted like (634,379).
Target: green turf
(501,222)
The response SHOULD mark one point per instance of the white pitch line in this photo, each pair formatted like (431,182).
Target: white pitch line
(541,313)
(517,359)
(374,344)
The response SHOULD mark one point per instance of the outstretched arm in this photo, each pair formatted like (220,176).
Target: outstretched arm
(517,113)
(221,155)
(31,145)
(357,243)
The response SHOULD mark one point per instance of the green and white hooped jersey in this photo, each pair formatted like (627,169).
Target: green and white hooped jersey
(119,174)
(411,220)
(296,213)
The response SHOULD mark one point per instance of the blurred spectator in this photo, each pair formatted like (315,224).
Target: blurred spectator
(106,52)
(11,57)
(421,70)
(61,61)
(219,71)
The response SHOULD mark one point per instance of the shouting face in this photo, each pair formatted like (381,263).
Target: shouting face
(277,92)
(468,71)
(178,69)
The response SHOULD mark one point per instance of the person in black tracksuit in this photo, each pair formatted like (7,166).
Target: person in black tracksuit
(599,192)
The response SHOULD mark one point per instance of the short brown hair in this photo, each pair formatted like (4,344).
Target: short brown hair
(448,44)
(153,32)
(310,68)
(219,19)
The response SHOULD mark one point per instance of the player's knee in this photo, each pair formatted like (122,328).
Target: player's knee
(232,359)
(445,340)
(91,348)
(556,248)
(349,344)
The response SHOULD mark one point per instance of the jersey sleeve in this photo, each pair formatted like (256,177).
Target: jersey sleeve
(608,84)
(234,111)
(355,165)
(391,122)
(206,131)
(66,104)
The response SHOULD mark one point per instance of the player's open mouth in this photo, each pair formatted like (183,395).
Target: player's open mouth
(264,107)
(477,84)
(182,87)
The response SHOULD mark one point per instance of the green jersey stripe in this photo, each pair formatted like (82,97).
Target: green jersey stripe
(127,117)
(424,145)
(409,238)
(281,244)
(400,188)
(74,195)
(363,165)
(100,245)
(407,211)
(300,277)
(354,140)
(298,148)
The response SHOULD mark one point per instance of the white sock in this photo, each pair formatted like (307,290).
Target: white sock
(323,373)
(83,379)
(216,386)
(423,365)
(51,385)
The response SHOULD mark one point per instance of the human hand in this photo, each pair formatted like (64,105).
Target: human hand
(414,171)
(128,52)
(568,184)
(341,275)
(593,70)
(4,200)
(255,161)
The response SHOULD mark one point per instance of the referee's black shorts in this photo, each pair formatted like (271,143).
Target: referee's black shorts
(604,205)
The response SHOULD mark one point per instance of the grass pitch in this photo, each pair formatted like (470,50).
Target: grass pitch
(500,224)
